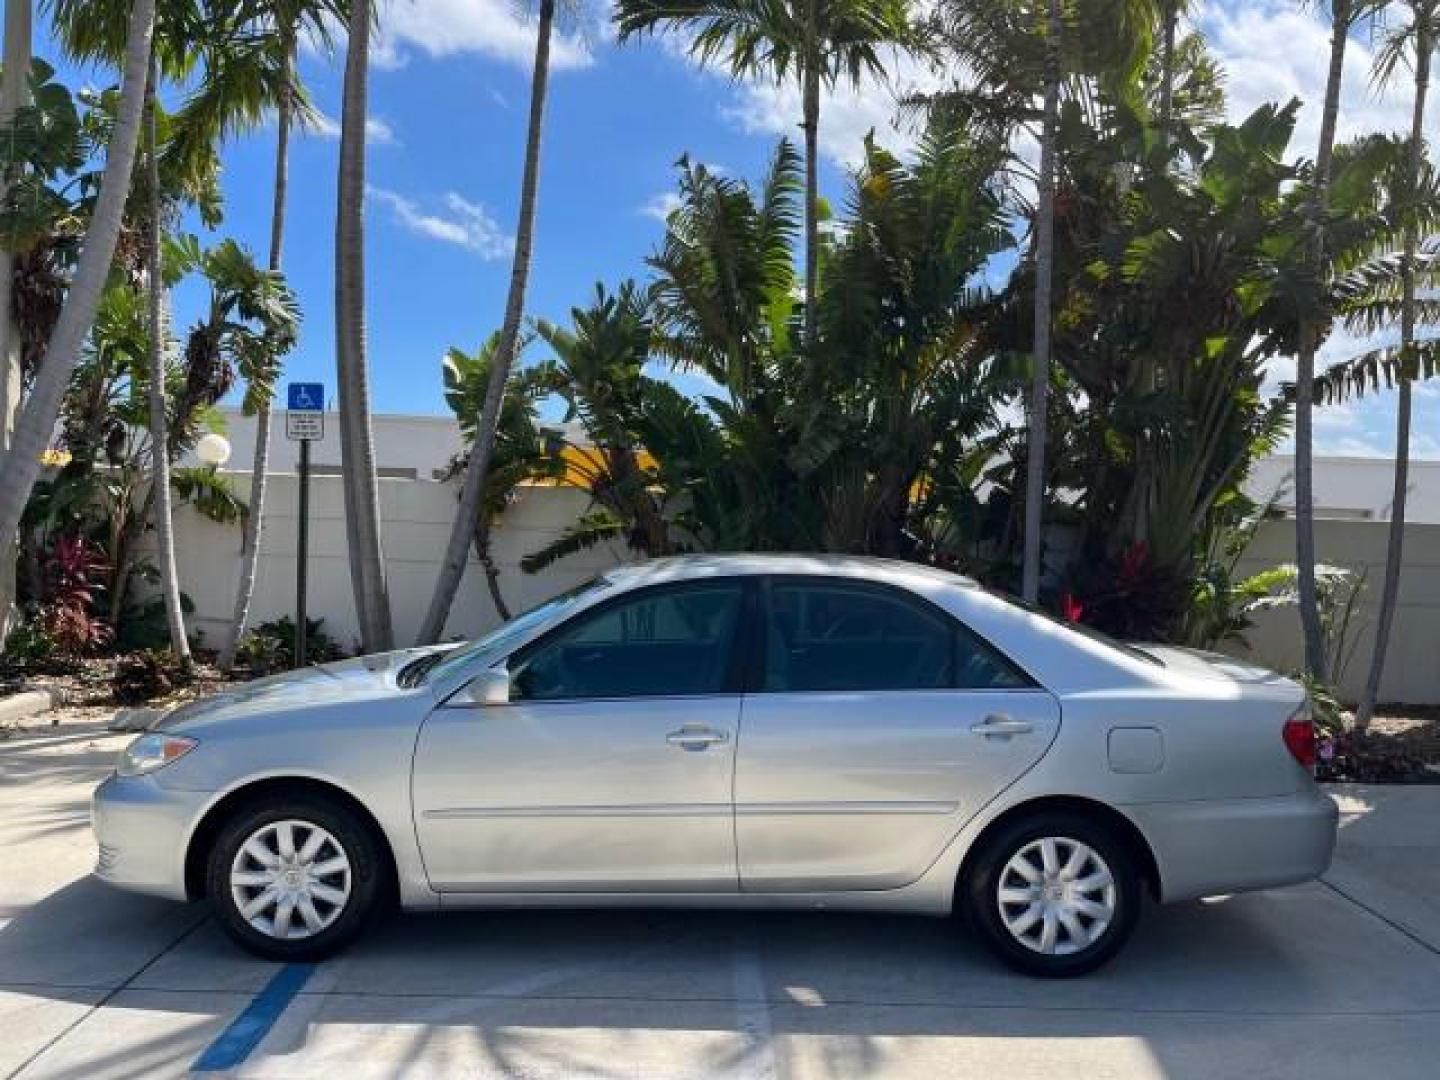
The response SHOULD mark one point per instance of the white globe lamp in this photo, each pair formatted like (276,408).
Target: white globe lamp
(213,449)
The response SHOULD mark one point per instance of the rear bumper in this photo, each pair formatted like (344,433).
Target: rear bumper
(1206,848)
(142,830)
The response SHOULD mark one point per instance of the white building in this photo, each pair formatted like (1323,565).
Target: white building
(419,447)
(1351,488)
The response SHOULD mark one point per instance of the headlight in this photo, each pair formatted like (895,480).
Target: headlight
(151,752)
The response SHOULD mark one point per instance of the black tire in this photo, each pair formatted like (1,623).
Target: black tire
(979,895)
(367,878)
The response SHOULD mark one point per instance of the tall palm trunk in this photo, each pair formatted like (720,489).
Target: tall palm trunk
(357,442)
(1171,16)
(21,466)
(14,91)
(161,503)
(1044,271)
(810,95)
(1395,549)
(477,469)
(1315,659)
(259,472)
(485,553)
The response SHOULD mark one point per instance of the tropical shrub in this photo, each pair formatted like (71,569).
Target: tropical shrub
(141,626)
(270,646)
(146,675)
(28,641)
(74,575)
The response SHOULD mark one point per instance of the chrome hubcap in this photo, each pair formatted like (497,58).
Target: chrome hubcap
(1056,896)
(290,879)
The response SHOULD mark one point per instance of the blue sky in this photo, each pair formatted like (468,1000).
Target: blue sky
(448,96)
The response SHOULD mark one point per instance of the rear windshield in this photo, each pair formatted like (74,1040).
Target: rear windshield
(1080,628)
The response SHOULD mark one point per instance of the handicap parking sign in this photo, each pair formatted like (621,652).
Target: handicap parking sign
(307,397)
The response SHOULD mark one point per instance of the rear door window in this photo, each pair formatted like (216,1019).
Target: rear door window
(845,636)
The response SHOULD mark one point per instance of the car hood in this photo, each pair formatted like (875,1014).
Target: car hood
(343,680)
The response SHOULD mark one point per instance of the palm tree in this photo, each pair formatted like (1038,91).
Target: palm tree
(1009,62)
(1169,13)
(818,41)
(156,342)
(290,18)
(1342,15)
(239,80)
(472,494)
(1418,35)
(14,80)
(1170,19)
(21,466)
(1044,272)
(357,441)
(523,451)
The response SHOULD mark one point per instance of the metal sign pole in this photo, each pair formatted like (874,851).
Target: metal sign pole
(302,553)
(304,423)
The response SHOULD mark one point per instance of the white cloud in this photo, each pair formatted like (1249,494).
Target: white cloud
(441,28)
(377,132)
(1273,50)
(847,113)
(461,222)
(1350,446)
(660,206)
(1270,50)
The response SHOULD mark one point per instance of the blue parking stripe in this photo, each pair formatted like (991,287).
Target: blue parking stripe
(236,1042)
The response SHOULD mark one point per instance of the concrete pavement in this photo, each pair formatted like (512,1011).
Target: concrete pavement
(1317,981)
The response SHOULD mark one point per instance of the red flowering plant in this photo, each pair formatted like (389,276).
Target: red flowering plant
(74,573)
(1130,597)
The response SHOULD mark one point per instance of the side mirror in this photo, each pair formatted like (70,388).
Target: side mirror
(490,687)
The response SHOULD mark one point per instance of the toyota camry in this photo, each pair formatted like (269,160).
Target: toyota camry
(739,731)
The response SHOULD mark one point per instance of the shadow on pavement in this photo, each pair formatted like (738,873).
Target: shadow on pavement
(1297,982)
(1203,990)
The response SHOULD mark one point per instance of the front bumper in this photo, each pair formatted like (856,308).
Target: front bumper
(142,829)
(1206,848)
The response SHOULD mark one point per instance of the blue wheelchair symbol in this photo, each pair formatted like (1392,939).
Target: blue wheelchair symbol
(307,397)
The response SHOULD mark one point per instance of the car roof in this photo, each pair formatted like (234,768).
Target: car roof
(691,567)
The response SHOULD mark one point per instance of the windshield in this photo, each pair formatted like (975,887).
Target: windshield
(496,642)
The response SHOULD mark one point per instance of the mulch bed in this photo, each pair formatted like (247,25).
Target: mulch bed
(86,683)
(1402,746)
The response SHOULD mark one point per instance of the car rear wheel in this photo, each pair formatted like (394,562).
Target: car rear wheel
(294,879)
(1053,895)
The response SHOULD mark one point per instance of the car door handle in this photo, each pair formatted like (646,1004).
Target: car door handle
(696,738)
(1002,726)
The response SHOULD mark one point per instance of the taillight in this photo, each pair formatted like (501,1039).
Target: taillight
(1299,736)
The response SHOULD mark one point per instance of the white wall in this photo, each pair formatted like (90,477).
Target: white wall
(1412,668)
(1350,488)
(406,446)
(417,517)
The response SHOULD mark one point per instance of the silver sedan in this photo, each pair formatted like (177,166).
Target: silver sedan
(743,731)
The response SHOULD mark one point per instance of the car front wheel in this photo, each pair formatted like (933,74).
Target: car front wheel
(295,879)
(1054,895)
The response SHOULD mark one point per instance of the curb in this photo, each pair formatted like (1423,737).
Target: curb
(134,719)
(28,704)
